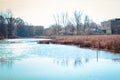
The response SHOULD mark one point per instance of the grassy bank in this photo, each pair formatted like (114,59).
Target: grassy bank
(1,37)
(104,42)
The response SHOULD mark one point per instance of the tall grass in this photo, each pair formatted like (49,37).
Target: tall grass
(1,37)
(106,42)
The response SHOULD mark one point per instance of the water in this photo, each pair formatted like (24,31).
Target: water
(24,59)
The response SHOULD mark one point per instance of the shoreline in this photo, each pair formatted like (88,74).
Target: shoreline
(109,43)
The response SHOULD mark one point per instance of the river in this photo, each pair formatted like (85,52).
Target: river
(24,59)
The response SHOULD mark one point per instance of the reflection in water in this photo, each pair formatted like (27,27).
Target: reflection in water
(17,49)
(86,60)
(116,60)
(68,62)
(42,62)
(97,55)
(6,62)
(62,62)
(78,62)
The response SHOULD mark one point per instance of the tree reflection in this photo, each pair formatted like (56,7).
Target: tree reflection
(68,62)
(97,55)
(5,61)
(78,62)
(86,60)
(116,60)
(62,62)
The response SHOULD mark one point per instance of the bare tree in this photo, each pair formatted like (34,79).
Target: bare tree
(2,26)
(10,23)
(57,19)
(64,19)
(38,30)
(61,19)
(69,29)
(86,22)
(78,20)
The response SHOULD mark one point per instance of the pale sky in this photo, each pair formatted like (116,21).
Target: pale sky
(40,12)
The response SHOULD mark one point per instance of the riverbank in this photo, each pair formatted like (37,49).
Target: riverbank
(105,42)
(1,37)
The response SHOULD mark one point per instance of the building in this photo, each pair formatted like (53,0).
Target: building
(111,26)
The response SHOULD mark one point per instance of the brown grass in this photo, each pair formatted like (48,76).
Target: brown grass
(1,37)
(106,42)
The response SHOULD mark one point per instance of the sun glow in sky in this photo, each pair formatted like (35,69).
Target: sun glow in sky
(40,12)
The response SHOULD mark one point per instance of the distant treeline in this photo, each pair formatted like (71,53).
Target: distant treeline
(77,24)
(11,27)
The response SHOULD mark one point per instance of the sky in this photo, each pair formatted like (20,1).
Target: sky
(40,12)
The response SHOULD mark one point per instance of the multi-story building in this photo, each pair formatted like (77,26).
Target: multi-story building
(111,26)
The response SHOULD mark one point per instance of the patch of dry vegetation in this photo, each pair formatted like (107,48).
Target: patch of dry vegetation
(106,42)
(1,37)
